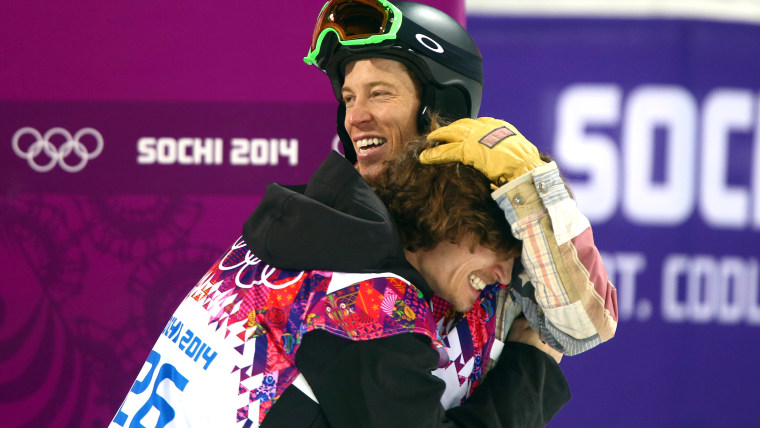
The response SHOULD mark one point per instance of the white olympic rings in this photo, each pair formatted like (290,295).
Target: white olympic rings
(57,155)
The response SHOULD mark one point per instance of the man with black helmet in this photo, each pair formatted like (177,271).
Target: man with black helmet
(400,69)
(415,41)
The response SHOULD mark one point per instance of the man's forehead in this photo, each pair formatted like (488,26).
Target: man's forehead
(377,62)
(379,70)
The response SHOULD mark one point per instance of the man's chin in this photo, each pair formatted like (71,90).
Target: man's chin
(463,307)
(370,170)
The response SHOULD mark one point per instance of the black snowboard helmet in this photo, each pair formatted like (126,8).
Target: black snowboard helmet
(435,48)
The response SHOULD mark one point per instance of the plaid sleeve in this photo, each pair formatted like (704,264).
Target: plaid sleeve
(561,286)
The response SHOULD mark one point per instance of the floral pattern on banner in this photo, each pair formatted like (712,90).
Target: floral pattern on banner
(81,308)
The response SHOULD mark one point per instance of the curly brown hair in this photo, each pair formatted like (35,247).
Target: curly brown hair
(445,202)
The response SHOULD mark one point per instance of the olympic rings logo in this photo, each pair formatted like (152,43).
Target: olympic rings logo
(57,155)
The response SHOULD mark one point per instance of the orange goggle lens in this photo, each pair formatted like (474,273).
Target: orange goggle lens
(355,22)
(352,19)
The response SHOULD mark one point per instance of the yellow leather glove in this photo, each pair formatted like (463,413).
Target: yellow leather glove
(494,147)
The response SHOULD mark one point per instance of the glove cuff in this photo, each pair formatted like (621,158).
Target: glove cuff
(527,166)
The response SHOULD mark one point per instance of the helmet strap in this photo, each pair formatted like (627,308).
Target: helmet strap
(345,139)
(427,106)
(423,120)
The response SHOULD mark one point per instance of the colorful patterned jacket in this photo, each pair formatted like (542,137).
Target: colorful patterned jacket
(228,353)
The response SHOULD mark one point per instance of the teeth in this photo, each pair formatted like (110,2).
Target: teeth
(364,143)
(476,282)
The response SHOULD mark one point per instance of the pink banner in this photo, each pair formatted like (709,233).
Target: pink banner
(136,138)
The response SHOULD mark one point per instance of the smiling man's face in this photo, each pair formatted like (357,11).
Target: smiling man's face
(458,272)
(382,102)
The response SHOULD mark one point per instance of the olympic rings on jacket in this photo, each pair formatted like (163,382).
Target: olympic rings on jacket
(57,155)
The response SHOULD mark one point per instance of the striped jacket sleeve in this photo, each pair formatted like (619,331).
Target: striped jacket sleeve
(560,284)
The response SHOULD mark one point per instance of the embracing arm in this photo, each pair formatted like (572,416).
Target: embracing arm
(388,382)
(564,289)
(525,389)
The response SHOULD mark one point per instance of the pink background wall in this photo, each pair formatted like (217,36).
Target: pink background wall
(157,51)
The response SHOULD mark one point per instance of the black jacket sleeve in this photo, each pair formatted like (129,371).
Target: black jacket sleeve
(525,389)
(388,382)
(338,211)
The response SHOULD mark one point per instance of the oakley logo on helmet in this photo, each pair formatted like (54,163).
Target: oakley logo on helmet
(429,43)
(57,155)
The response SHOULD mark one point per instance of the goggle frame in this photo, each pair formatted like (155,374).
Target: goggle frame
(392,14)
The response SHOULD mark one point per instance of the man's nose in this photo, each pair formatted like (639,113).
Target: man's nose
(358,113)
(503,270)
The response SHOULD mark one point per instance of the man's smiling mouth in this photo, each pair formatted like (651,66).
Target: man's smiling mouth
(476,282)
(367,144)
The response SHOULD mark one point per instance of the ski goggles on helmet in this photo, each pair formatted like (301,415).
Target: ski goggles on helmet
(354,22)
